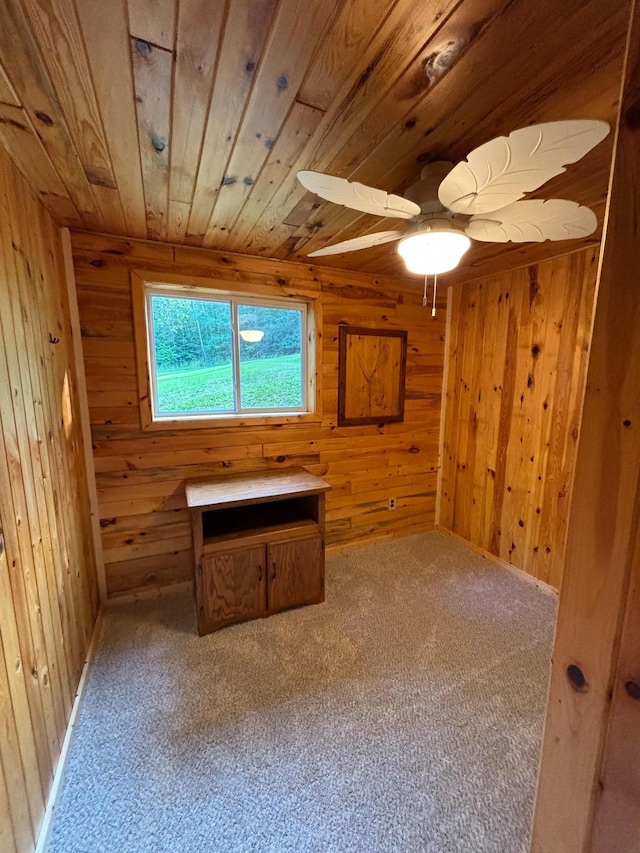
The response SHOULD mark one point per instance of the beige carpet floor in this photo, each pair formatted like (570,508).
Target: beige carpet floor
(403,714)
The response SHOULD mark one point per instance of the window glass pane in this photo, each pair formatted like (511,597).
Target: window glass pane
(192,341)
(271,368)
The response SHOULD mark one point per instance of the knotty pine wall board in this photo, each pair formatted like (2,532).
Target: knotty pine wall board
(140,474)
(48,588)
(517,359)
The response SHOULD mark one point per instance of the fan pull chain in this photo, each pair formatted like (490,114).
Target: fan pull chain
(424,295)
(435,285)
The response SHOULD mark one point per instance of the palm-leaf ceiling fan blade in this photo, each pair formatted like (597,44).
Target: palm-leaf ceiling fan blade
(359,243)
(358,196)
(501,171)
(533,221)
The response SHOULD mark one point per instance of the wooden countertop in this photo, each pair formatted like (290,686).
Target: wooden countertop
(240,489)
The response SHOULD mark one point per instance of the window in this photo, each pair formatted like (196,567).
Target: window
(212,355)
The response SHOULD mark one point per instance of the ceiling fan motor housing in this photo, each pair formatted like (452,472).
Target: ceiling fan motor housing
(425,191)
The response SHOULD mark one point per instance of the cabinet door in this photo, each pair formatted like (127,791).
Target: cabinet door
(232,587)
(296,573)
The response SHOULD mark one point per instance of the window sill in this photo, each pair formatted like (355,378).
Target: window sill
(234,421)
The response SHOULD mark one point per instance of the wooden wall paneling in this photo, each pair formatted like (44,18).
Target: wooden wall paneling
(556,329)
(402,33)
(7,836)
(288,51)
(30,485)
(152,74)
(573,325)
(436,44)
(25,65)
(461,425)
(248,228)
(451,413)
(617,812)
(480,425)
(83,406)
(106,40)
(503,415)
(61,424)
(140,474)
(516,378)
(450,404)
(343,47)
(16,828)
(248,23)
(64,474)
(514,499)
(548,329)
(474,456)
(431,41)
(435,120)
(7,92)
(489,259)
(22,615)
(47,610)
(393,85)
(588,785)
(508,84)
(59,36)
(154,21)
(56,419)
(178,219)
(196,54)
(493,360)
(19,137)
(21,798)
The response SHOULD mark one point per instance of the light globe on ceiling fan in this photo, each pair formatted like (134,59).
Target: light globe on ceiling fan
(478,199)
(436,248)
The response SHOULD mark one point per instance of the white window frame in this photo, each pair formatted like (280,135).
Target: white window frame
(234,302)
(145,284)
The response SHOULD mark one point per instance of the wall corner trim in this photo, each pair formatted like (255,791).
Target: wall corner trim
(84,410)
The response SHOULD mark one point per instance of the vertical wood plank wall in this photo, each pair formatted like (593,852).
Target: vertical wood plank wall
(588,795)
(48,594)
(140,475)
(517,359)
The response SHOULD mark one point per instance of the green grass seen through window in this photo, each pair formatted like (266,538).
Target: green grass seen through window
(266,383)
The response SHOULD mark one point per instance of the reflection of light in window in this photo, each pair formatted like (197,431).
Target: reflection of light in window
(212,354)
(251,336)
(67,410)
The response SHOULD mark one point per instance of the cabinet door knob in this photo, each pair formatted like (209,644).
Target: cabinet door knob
(259,573)
(273,571)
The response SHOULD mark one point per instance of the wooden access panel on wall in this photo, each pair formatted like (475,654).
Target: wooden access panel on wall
(371,375)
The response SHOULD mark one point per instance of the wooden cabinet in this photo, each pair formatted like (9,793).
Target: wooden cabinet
(296,573)
(232,585)
(258,545)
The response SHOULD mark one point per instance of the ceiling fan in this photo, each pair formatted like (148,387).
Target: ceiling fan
(478,199)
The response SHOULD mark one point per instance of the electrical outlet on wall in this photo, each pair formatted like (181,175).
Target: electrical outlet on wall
(392,503)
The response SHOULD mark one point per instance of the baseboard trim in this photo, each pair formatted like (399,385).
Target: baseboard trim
(519,573)
(363,541)
(149,592)
(52,801)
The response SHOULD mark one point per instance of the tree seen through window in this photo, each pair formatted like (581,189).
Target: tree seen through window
(193,348)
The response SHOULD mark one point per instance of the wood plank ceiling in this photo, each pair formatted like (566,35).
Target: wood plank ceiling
(187,120)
